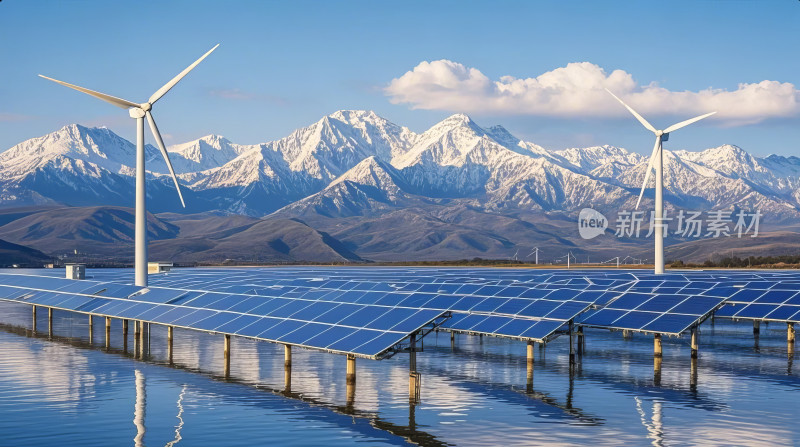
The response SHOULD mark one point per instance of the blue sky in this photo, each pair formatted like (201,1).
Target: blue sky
(283,65)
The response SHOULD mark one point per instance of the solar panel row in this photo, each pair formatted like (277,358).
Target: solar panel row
(362,329)
(519,303)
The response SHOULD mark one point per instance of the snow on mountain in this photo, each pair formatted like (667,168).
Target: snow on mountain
(591,158)
(370,186)
(352,162)
(337,142)
(211,151)
(71,147)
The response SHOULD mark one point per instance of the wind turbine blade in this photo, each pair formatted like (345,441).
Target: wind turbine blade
(638,117)
(163,90)
(675,127)
(650,165)
(161,146)
(113,100)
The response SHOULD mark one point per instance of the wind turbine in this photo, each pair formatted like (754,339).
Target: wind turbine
(536,251)
(657,163)
(139,112)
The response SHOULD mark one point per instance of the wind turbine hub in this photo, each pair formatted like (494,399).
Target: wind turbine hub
(659,133)
(136,112)
(146,106)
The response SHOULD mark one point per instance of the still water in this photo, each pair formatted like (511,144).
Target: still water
(67,389)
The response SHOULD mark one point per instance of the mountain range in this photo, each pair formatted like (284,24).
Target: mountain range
(354,186)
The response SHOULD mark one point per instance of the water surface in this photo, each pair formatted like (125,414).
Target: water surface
(67,389)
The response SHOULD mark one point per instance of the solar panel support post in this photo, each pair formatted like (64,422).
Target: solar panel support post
(452,341)
(790,334)
(50,321)
(125,335)
(571,344)
(412,353)
(350,391)
(142,339)
(287,379)
(657,370)
(756,326)
(227,356)
(581,340)
(170,333)
(657,345)
(694,342)
(351,368)
(34,318)
(693,375)
(91,328)
(413,375)
(531,343)
(287,356)
(108,332)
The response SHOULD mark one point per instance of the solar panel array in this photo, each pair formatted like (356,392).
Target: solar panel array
(367,330)
(527,304)
(764,300)
(518,304)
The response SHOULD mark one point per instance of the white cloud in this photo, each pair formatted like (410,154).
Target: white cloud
(579,90)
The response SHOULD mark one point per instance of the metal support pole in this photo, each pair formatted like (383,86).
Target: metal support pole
(170,334)
(571,344)
(693,375)
(529,369)
(227,354)
(142,339)
(125,335)
(287,369)
(452,340)
(580,340)
(50,321)
(659,213)
(531,343)
(790,332)
(351,368)
(140,228)
(413,375)
(657,370)
(756,327)
(34,318)
(108,332)
(657,345)
(91,328)
(137,335)
(694,342)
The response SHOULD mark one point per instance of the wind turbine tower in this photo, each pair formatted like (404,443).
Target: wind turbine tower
(535,251)
(139,112)
(657,163)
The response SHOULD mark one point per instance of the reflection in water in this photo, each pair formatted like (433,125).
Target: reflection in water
(655,428)
(479,389)
(139,409)
(180,419)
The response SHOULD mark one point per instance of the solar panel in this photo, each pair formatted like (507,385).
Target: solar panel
(767,301)
(292,302)
(306,323)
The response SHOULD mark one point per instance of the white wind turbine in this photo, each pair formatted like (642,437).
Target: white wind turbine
(657,162)
(536,251)
(139,112)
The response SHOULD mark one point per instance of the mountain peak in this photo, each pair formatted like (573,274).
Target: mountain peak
(350,116)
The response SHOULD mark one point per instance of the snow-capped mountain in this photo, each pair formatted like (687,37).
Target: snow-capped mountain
(211,151)
(353,163)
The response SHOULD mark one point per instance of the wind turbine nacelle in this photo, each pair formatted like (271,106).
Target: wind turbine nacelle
(665,137)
